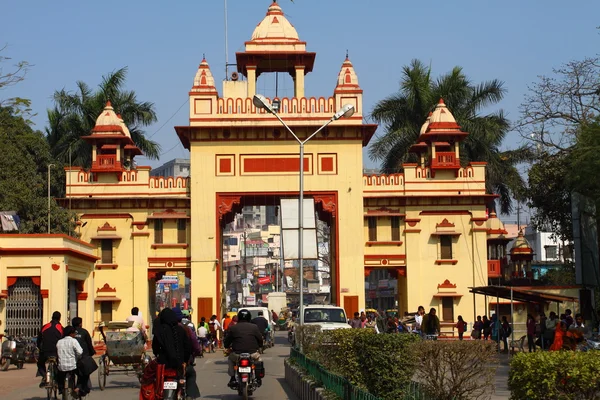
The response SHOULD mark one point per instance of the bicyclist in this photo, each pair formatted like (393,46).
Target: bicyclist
(262,324)
(69,351)
(49,335)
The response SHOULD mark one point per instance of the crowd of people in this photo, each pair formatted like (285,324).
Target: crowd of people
(549,333)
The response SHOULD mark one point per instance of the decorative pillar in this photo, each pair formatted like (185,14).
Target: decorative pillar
(251,71)
(299,82)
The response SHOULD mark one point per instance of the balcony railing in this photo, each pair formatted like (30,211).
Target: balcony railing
(445,160)
(106,162)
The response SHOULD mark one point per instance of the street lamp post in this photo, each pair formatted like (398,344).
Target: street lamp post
(49,166)
(346,111)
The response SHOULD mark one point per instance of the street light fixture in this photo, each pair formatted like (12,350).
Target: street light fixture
(347,110)
(49,166)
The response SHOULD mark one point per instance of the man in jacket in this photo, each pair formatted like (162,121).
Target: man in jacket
(85,341)
(261,322)
(49,335)
(244,337)
(431,323)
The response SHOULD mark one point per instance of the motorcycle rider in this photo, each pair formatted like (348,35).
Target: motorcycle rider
(49,335)
(262,324)
(191,389)
(243,337)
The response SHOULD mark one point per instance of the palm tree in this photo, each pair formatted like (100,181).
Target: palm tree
(403,114)
(74,115)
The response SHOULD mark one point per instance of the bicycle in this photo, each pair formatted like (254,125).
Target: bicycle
(51,384)
(69,385)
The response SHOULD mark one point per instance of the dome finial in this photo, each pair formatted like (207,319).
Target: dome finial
(346,54)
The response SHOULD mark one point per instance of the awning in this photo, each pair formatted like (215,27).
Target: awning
(449,294)
(528,296)
(102,237)
(106,298)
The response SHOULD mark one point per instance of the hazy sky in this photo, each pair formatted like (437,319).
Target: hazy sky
(162,43)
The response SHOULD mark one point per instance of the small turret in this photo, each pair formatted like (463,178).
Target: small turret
(347,90)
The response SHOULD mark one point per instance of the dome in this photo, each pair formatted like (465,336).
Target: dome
(426,124)
(441,117)
(495,227)
(521,246)
(347,77)
(275,26)
(204,80)
(125,129)
(108,122)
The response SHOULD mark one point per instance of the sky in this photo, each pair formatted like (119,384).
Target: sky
(162,44)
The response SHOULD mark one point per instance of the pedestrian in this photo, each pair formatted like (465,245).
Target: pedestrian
(568,318)
(541,330)
(486,328)
(461,327)
(371,323)
(391,326)
(138,322)
(505,330)
(551,323)
(431,323)
(363,319)
(531,333)
(356,323)
(560,330)
(477,328)
(419,318)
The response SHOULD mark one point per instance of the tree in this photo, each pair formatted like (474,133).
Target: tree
(403,114)
(23,177)
(558,105)
(20,106)
(549,194)
(74,115)
(584,163)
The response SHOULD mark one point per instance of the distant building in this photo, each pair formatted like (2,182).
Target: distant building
(178,167)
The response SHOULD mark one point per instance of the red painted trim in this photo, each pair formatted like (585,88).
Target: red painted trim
(440,262)
(479,230)
(106,227)
(106,289)
(446,285)
(445,212)
(387,256)
(4,294)
(139,223)
(106,266)
(36,280)
(412,230)
(11,280)
(390,243)
(45,235)
(44,293)
(155,191)
(254,164)
(169,245)
(166,259)
(48,250)
(136,234)
(219,158)
(94,216)
(82,296)
(445,224)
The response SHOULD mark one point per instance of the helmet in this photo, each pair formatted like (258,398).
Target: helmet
(244,315)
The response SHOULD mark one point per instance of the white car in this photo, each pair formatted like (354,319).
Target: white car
(328,317)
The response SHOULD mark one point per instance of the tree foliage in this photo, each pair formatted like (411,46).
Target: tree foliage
(549,195)
(403,114)
(23,177)
(10,77)
(74,115)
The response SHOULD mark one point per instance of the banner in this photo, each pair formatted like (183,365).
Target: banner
(264,280)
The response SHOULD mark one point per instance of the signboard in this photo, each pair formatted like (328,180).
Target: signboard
(264,281)
(383,284)
(290,229)
(250,300)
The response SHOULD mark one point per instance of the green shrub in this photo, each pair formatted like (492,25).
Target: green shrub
(387,363)
(381,364)
(456,370)
(550,375)
(306,337)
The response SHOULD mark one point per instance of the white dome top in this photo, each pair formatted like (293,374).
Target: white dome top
(275,26)
(347,76)
(204,80)
(109,123)
(441,114)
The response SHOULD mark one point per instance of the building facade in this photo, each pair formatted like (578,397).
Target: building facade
(163,240)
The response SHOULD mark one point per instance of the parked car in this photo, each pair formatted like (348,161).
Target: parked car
(328,317)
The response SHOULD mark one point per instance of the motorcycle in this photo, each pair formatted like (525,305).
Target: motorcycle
(13,351)
(248,375)
(173,384)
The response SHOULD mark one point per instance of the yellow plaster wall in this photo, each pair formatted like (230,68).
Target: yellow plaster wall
(347,183)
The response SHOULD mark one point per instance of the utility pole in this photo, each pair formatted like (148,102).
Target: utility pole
(519,208)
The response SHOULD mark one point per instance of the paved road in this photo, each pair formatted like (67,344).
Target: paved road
(211,371)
